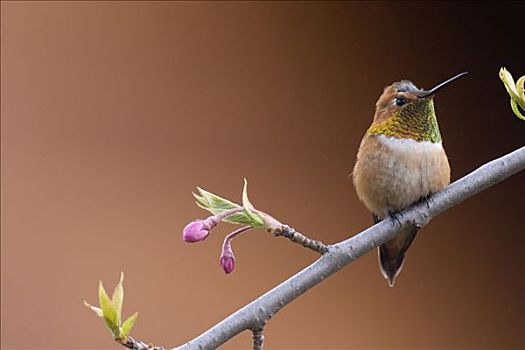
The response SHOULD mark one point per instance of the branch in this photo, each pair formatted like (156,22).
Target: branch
(133,344)
(258,339)
(299,238)
(254,315)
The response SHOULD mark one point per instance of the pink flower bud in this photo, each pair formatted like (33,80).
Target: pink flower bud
(199,229)
(195,231)
(227,258)
(227,261)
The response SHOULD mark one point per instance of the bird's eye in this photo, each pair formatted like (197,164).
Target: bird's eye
(400,101)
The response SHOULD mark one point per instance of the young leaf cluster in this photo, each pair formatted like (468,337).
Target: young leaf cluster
(216,205)
(516,92)
(111,311)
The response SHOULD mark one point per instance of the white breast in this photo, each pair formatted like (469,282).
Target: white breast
(410,146)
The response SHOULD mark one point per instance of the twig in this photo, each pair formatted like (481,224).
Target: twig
(131,343)
(258,339)
(301,239)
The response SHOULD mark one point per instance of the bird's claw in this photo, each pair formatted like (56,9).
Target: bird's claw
(427,200)
(396,217)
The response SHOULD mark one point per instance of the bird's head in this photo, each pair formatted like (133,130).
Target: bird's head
(405,111)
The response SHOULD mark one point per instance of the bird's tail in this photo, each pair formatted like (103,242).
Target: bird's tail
(390,267)
(392,254)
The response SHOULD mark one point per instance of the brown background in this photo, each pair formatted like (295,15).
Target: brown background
(112,113)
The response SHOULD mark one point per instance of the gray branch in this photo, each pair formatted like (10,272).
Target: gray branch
(255,315)
(258,339)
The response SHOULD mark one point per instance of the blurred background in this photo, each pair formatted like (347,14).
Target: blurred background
(113,112)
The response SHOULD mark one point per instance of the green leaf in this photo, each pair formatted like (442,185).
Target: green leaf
(515,109)
(118,298)
(244,218)
(515,91)
(240,218)
(520,86)
(128,325)
(245,200)
(508,81)
(110,316)
(213,203)
(95,309)
(103,299)
(255,218)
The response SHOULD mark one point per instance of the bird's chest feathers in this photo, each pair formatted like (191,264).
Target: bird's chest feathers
(409,150)
(411,162)
(392,173)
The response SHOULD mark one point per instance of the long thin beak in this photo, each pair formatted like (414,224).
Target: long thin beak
(426,93)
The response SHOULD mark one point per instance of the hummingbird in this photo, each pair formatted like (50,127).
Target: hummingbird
(401,160)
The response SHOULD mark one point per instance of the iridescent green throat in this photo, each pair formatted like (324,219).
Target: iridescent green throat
(417,120)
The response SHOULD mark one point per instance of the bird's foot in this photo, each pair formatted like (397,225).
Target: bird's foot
(396,218)
(427,200)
